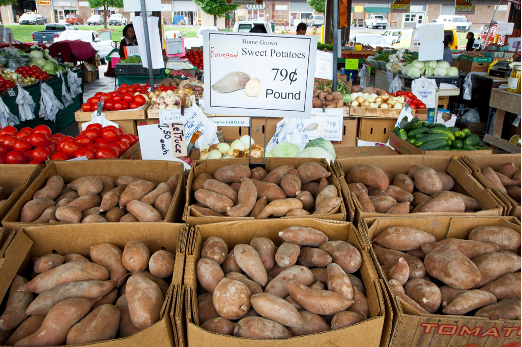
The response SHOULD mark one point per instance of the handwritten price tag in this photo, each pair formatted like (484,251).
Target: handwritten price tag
(351,64)
(170,116)
(131,50)
(179,143)
(328,125)
(11,92)
(505,28)
(158,141)
(324,65)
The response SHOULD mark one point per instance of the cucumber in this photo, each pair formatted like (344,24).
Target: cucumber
(472,140)
(467,132)
(403,134)
(457,144)
(396,130)
(425,124)
(412,141)
(414,132)
(443,131)
(431,137)
(481,148)
(413,124)
(443,149)
(459,134)
(403,122)
(433,145)
(448,142)
(453,129)
(469,148)
(438,125)
(418,136)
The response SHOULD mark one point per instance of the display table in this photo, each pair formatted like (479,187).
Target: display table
(503,101)
(64,117)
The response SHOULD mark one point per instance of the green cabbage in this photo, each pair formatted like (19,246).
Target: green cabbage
(324,144)
(285,149)
(49,68)
(316,152)
(36,54)
(37,61)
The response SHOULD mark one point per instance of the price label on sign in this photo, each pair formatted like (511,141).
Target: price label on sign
(328,124)
(131,51)
(179,143)
(11,92)
(324,65)
(351,64)
(170,116)
(504,28)
(158,141)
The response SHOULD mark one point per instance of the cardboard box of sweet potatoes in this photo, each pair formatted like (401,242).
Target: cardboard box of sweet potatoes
(460,285)
(71,247)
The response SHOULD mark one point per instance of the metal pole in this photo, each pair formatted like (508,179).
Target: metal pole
(335,24)
(147,43)
(485,43)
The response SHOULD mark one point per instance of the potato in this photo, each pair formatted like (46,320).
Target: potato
(413,169)
(275,176)
(135,191)
(369,175)
(306,199)
(492,176)
(357,283)
(72,257)
(91,212)
(400,208)
(504,309)
(515,193)
(206,310)
(468,301)
(278,285)
(382,203)
(17,303)
(135,256)
(47,262)
(313,257)
(231,299)
(270,191)
(28,327)
(110,257)
(162,204)
(51,190)
(277,309)
(249,261)
(446,202)
(108,299)
(280,208)
(145,301)
(128,218)
(126,327)
(339,282)
(398,270)
(398,291)
(232,173)
(320,302)
(99,325)
(246,199)
(252,286)
(69,272)
(494,265)
(303,236)
(404,182)
(220,188)
(506,238)
(266,249)
(219,325)
(344,254)
(86,202)
(258,173)
(215,248)
(427,181)
(452,267)
(230,265)
(311,187)
(448,294)
(327,192)
(312,171)
(506,181)
(94,219)
(403,238)
(63,202)
(506,287)
(447,181)
(313,324)
(232,81)
(114,214)
(360,302)
(261,328)
(209,274)
(346,318)
(92,185)
(298,212)
(291,185)
(34,209)
(419,198)
(162,284)
(467,247)
(215,201)
(425,293)
(199,181)
(388,256)
(143,212)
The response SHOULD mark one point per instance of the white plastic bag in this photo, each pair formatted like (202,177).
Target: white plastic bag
(405,112)
(95,119)
(6,117)
(196,120)
(425,90)
(290,130)
(49,104)
(395,85)
(467,87)
(25,104)
(362,76)
(66,97)
(75,84)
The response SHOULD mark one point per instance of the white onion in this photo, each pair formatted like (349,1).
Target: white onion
(238,144)
(215,154)
(397,106)
(223,147)
(246,139)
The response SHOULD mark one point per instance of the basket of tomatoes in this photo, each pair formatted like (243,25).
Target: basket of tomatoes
(418,108)
(195,57)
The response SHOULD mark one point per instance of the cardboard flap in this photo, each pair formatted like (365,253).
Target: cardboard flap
(460,227)
(388,317)
(12,255)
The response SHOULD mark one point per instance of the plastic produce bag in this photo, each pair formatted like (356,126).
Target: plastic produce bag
(472,116)
(425,89)
(396,84)
(49,104)
(25,104)
(196,120)
(6,117)
(98,119)
(467,87)
(75,84)
(66,96)
(362,76)
(290,130)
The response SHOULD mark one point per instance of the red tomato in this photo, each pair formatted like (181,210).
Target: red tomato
(106,152)
(110,134)
(92,133)
(9,141)
(40,154)
(163,88)
(92,146)
(3,149)
(83,140)
(108,96)
(399,92)
(130,89)
(126,138)
(413,106)
(94,107)
(123,85)
(15,157)
(59,156)
(58,136)
(52,147)
(8,130)
(117,147)
(102,142)
(39,140)
(407,94)
(70,147)
(34,162)
(120,132)
(124,105)
(133,105)
(43,129)
(22,146)
(86,107)
(118,105)
(108,105)
(85,152)
(23,135)
(421,105)
(124,145)
(93,100)
(134,138)
(26,130)
(2,158)
(98,95)
(113,94)
(95,126)
(29,154)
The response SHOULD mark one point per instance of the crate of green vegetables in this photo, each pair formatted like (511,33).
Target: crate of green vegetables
(419,137)
(133,66)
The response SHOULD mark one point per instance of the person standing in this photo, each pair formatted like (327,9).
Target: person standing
(129,39)
(447,56)
(301,29)
(471,41)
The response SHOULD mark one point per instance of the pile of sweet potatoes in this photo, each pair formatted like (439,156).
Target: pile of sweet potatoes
(421,189)
(304,286)
(479,276)
(69,299)
(237,191)
(506,179)
(100,199)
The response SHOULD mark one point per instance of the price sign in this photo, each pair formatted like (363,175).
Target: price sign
(259,75)
(179,143)
(158,141)
(351,64)
(328,124)
(170,116)
(11,92)
(505,28)
(131,51)
(324,65)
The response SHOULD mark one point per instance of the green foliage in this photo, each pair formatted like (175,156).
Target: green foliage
(318,5)
(215,7)
(9,2)
(104,4)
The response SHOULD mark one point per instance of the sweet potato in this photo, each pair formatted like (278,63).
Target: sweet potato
(448,294)
(143,211)
(47,262)
(404,182)
(68,195)
(427,181)
(294,303)
(286,255)
(199,181)
(249,261)
(231,299)
(357,283)
(366,202)
(447,181)
(339,282)
(468,301)
(219,325)
(90,212)
(62,317)
(208,273)
(172,182)
(69,272)
(51,190)
(72,257)
(419,198)
(344,254)
(507,169)
(28,327)
(291,185)
(214,248)
(313,257)
(494,265)
(99,325)
(357,188)
(135,256)
(151,197)
(110,257)
(323,183)
(306,199)
(312,171)
(449,265)
(231,82)
(63,202)
(17,303)
(402,238)
(220,188)
(230,265)
(135,191)
(206,310)
(369,175)
(446,202)
(266,249)
(311,187)
(425,293)
(125,180)
(388,256)
(317,301)
(204,211)
(398,291)
(270,191)
(86,202)
(94,219)
(275,176)
(467,247)
(316,285)
(491,175)
(504,309)
(258,207)
(108,299)
(398,270)
(114,214)
(303,236)
(261,328)
(280,208)
(278,285)
(328,192)
(360,302)
(277,309)
(145,301)
(91,186)
(313,324)
(514,192)
(34,209)
(506,287)
(128,218)
(253,287)
(401,208)
(108,185)
(215,201)
(246,198)
(398,194)
(126,327)
(506,181)
(162,204)
(68,214)
(506,238)
(346,318)
(232,173)
(298,212)
(258,173)
(382,203)
(328,205)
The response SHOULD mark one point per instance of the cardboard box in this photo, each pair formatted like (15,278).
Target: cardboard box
(422,114)
(467,66)
(115,115)
(365,333)
(411,329)
(404,147)
(350,128)
(259,129)
(465,183)
(128,126)
(367,112)
(64,239)
(344,152)
(152,170)
(193,218)
(478,163)
(89,73)
(376,130)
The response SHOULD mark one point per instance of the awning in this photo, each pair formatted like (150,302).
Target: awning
(255,7)
(377,9)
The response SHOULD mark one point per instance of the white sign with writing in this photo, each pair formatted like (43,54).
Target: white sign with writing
(505,28)
(179,143)
(259,75)
(231,121)
(135,5)
(170,116)
(328,124)
(158,140)
(324,65)
(132,50)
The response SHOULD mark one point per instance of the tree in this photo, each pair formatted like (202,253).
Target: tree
(317,5)
(105,4)
(8,2)
(217,8)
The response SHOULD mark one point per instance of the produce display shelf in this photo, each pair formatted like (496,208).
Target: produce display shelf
(134,69)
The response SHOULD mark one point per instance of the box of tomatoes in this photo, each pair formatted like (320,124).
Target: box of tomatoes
(125,103)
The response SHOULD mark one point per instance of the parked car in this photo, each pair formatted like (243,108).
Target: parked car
(73,18)
(246,26)
(51,32)
(95,19)
(315,21)
(372,40)
(32,18)
(376,21)
(117,19)
(458,23)
(101,42)
(398,38)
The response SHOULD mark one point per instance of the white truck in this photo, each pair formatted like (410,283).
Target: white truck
(376,21)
